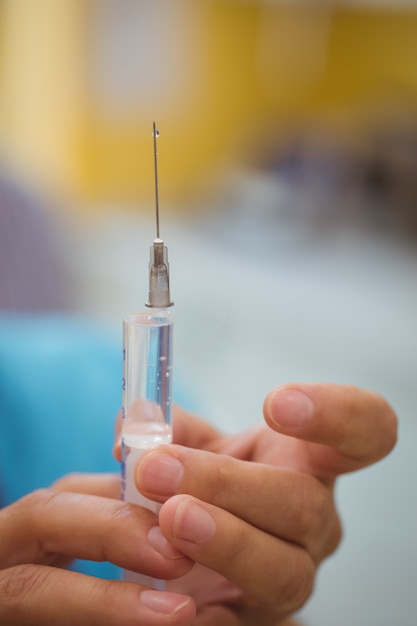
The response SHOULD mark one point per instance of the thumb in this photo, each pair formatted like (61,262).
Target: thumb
(356,427)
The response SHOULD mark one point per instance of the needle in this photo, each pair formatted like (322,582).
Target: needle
(159,294)
(155,134)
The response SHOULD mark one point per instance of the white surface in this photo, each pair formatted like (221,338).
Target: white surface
(255,309)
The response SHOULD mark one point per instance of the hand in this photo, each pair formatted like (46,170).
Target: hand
(256,511)
(43,531)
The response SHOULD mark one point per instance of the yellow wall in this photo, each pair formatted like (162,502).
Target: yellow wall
(40,89)
(246,63)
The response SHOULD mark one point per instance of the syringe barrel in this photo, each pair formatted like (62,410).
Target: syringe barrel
(147,373)
(146,400)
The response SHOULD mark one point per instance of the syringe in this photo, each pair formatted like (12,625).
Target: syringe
(147,375)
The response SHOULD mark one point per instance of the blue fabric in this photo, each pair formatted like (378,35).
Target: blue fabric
(59,394)
(60,390)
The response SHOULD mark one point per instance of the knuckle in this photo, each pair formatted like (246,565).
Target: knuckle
(22,581)
(320,527)
(240,545)
(298,585)
(121,512)
(335,538)
(220,479)
(313,511)
(128,516)
(321,511)
(328,540)
(100,593)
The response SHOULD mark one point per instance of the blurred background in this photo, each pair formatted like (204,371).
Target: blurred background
(288,193)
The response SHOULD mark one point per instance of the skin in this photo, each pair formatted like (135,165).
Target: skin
(264,498)
(43,531)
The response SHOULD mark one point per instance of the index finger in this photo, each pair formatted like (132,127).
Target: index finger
(354,427)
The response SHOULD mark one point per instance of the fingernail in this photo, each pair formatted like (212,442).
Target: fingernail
(161,545)
(161,473)
(163,601)
(290,408)
(193,523)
